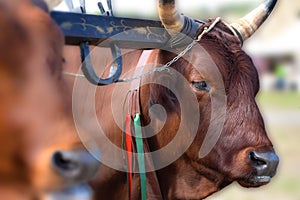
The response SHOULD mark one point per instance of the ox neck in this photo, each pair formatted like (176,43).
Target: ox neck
(181,179)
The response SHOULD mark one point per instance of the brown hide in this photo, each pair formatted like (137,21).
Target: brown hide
(110,183)
(189,177)
(35,111)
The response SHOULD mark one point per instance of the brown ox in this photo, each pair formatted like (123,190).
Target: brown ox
(39,149)
(243,151)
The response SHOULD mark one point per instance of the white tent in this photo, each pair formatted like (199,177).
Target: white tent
(286,43)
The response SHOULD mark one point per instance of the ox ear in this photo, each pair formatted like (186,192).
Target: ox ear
(249,24)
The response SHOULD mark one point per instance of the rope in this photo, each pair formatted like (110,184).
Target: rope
(128,140)
(140,151)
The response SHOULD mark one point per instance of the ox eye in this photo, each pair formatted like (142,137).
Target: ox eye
(201,85)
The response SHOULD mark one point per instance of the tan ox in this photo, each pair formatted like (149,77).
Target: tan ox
(41,154)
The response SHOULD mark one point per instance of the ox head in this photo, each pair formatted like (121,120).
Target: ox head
(39,148)
(243,151)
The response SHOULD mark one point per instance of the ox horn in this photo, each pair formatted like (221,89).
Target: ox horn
(171,19)
(246,26)
(46,5)
(52,3)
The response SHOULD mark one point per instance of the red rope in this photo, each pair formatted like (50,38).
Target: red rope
(129,154)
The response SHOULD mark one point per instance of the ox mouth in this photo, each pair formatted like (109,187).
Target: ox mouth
(255,181)
(78,192)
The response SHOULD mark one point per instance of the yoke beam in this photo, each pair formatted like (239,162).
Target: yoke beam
(103,30)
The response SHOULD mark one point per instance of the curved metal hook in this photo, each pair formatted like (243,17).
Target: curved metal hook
(88,70)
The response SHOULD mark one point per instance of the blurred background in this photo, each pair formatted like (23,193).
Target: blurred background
(275,50)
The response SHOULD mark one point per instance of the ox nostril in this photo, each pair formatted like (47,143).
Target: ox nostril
(60,160)
(66,164)
(265,162)
(74,165)
(256,160)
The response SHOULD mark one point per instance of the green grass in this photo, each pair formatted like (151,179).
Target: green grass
(279,100)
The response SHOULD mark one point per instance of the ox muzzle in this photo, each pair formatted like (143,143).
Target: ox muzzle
(75,167)
(265,162)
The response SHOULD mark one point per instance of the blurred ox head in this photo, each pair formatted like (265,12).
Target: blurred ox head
(40,152)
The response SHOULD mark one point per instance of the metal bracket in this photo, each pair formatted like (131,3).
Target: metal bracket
(110,32)
(87,67)
(88,70)
(104,12)
(82,6)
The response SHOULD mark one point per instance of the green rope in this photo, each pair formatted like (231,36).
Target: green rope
(140,151)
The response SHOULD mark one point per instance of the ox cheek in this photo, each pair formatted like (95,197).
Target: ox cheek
(238,166)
